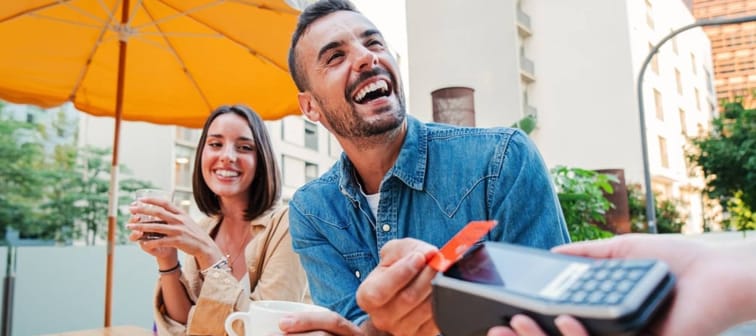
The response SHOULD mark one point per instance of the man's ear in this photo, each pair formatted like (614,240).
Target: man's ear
(308,106)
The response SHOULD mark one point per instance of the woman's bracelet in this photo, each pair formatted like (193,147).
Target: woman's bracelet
(173,269)
(221,264)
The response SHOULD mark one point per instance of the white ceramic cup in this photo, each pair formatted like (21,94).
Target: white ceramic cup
(263,316)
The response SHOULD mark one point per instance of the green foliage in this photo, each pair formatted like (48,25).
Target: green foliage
(741,217)
(581,195)
(59,193)
(527,124)
(19,177)
(668,218)
(728,156)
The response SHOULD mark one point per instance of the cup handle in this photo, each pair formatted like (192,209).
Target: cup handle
(230,321)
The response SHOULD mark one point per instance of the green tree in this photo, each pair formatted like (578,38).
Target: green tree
(20,180)
(728,155)
(581,196)
(94,189)
(668,218)
(76,203)
(741,217)
(51,189)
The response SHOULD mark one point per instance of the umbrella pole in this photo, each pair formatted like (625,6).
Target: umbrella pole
(113,195)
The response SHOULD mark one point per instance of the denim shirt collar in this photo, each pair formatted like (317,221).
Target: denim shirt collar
(409,167)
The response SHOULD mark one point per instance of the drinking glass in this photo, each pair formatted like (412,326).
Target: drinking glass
(151,193)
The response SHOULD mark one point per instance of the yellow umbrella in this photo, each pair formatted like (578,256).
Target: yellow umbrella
(160,61)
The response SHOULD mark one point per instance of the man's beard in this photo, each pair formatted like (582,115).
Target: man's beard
(354,126)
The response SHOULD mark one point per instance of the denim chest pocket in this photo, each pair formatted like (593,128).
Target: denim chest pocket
(360,263)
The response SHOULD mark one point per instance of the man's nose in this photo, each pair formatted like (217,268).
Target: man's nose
(366,59)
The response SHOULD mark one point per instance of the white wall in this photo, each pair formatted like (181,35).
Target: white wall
(587,113)
(462,43)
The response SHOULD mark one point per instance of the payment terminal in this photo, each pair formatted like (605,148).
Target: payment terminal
(494,281)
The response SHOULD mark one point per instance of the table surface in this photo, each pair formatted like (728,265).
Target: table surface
(110,331)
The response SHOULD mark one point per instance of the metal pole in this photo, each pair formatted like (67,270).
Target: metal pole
(8,285)
(650,208)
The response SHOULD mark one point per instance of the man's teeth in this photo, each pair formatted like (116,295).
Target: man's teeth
(379,85)
(226,173)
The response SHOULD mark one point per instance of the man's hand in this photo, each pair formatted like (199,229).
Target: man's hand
(396,295)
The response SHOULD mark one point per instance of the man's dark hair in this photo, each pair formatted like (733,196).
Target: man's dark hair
(266,185)
(309,15)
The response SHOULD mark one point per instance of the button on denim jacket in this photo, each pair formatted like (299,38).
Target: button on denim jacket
(443,178)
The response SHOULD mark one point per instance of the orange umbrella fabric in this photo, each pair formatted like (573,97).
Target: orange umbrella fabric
(184,57)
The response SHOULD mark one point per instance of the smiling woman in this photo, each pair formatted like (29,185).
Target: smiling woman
(242,250)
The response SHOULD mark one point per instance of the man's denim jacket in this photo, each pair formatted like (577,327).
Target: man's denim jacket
(444,177)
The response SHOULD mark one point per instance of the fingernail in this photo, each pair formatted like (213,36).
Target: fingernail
(417,260)
(285,323)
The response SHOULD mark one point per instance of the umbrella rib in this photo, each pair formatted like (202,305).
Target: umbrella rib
(180,60)
(179,13)
(81,11)
(249,48)
(33,10)
(180,34)
(103,6)
(73,23)
(263,7)
(137,4)
(85,68)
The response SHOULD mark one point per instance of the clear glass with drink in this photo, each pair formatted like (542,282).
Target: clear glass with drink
(151,193)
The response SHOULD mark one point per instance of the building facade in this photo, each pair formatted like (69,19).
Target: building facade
(733,46)
(574,67)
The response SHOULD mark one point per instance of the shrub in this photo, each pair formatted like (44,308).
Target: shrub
(581,196)
(668,218)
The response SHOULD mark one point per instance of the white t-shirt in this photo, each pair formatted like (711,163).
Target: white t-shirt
(373,200)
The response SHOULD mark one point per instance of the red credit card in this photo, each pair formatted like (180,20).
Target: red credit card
(459,244)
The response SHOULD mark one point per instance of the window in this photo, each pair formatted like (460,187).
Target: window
(311,135)
(183,199)
(698,99)
(658,103)
(311,171)
(183,166)
(678,82)
(683,123)
(187,135)
(663,152)
(674,44)
(297,172)
(654,60)
(649,17)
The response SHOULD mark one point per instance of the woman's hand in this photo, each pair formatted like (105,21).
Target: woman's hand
(318,323)
(179,230)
